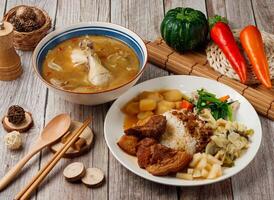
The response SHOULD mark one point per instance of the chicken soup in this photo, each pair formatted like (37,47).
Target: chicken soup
(90,64)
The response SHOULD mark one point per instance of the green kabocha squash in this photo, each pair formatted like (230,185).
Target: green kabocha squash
(184,28)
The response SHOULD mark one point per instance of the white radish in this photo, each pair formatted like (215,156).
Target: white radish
(204,173)
(202,163)
(196,173)
(196,158)
(215,171)
(185,176)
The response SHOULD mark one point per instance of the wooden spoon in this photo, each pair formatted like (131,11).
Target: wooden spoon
(53,131)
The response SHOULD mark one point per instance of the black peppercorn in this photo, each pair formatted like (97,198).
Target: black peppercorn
(16,114)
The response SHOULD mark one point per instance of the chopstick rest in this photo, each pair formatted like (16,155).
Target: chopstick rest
(81,146)
(34,183)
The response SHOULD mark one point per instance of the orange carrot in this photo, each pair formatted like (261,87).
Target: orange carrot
(252,43)
(186,105)
(224,98)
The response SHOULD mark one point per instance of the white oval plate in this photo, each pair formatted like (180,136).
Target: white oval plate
(113,127)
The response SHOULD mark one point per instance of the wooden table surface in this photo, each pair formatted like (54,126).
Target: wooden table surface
(143,17)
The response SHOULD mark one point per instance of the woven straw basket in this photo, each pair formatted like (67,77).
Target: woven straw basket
(218,61)
(28,40)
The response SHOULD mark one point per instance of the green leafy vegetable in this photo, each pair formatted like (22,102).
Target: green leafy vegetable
(218,108)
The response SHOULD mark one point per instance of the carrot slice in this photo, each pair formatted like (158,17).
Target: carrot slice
(224,98)
(186,105)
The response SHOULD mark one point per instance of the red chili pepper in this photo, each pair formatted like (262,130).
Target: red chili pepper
(221,34)
(252,43)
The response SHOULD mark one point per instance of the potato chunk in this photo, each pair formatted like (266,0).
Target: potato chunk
(173,95)
(144,115)
(147,105)
(164,106)
(132,108)
(178,104)
(128,144)
(162,109)
(151,95)
(143,95)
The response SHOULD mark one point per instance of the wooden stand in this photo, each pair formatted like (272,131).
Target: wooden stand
(87,135)
(10,64)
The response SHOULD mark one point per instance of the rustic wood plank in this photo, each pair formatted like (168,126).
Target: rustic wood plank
(254,182)
(222,190)
(70,12)
(30,93)
(264,14)
(146,22)
(2,8)
(259,173)
(239,13)
(199,5)
(215,7)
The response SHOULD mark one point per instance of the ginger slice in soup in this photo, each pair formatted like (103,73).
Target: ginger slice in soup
(52,65)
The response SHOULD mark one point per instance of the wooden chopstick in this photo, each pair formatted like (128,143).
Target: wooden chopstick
(33,184)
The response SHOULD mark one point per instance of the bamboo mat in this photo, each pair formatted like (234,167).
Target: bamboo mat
(195,63)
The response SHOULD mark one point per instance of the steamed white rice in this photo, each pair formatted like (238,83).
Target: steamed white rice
(176,135)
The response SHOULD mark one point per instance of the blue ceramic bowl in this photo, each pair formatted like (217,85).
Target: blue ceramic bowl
(93,28)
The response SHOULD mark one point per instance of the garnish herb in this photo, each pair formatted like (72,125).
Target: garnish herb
(219,109)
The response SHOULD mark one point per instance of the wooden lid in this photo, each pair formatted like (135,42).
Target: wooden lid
(5,28)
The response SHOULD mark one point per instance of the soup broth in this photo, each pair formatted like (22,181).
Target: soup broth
(119,59)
